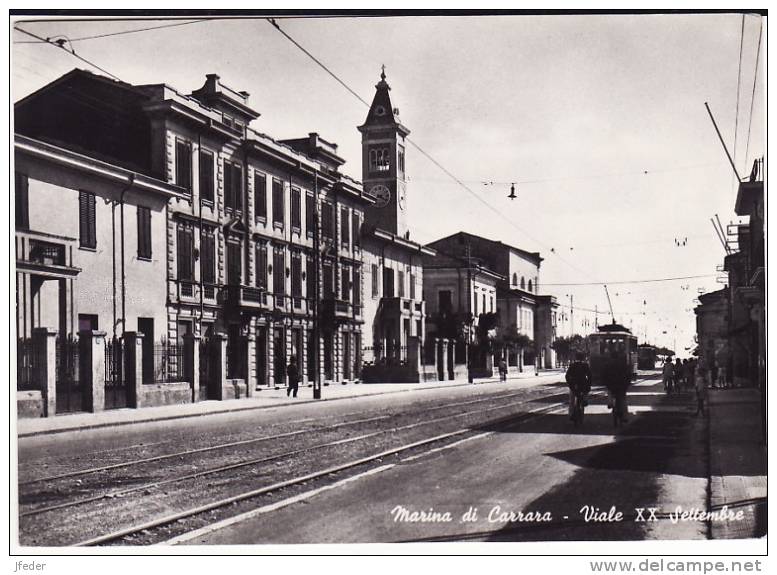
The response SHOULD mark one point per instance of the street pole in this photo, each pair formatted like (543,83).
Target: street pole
(316,323)
(469,312)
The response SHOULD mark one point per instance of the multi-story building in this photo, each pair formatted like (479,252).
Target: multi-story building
(394,309)
(241,225)
(515,300)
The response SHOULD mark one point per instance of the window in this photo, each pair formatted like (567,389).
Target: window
(144,232)
(523,283)
(208,258)
(86,220)
(475,297)
(357,286)
(484,303)
(374,272)
(234,263)
(22,201)
(261,266)
(185,254)
(233,186)
(310,277)
(530,288)
(356,233)
(310,214)
(401,283)
(492,304)
(515,279)
(345,283)
(296,274)
(401,160)
(412,286)
(296,209)
(328,220)
(260,196)
(329,278)
(444,301)
(277,202)
(206,176)
(345,228)
(88,322)
(388,282)
(183,164)
(379,159)
(278,271)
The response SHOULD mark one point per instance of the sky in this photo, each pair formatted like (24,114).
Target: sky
(598,120)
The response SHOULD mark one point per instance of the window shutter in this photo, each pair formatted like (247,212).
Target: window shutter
(229,198)
(22,201)
(356,233)
(260,195)
(357,287)
(237,182)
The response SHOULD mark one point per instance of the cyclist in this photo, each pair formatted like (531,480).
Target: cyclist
(578,378)
(617,378)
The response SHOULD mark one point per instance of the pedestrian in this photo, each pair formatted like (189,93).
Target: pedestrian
(617,378)
(292,373)
(701,388)
(679,374)
(668,374)
(502,370)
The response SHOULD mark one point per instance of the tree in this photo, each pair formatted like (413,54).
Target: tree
(567,347)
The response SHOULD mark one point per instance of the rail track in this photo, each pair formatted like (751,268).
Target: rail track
(165,515)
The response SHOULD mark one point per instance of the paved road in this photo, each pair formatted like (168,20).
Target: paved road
(544,469)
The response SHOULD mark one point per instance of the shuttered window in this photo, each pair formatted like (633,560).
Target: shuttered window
(310,214)
(356,231)
(144,232)
(185,254)
(183,164)
(329,278)
(22,201)
(261,266)
(296,274)
(374,272)
(401,283)
(86,220)
(296,209)
(310,277)
(260,196)
(328,220)
(345,283)
(345,228)
(412,286)
(233,186)
(278,272)
(234,263)
(357,286)
(206,176)
(278,207)
(208,258)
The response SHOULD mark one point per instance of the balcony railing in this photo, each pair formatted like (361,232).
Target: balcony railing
(189,292)
(336,309)
(45,254)
(403,306)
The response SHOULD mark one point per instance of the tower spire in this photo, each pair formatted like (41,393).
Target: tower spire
(383,72)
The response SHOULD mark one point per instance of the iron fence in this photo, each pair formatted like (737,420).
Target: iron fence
(69,395)
(168,363)
(115,382)
(25,365)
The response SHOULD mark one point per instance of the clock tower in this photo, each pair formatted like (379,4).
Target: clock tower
(383,162)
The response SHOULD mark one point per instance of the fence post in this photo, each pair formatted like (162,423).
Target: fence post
(44,341)
(219,359)
(91,351)
(133,367)
(191,354)
(414,355)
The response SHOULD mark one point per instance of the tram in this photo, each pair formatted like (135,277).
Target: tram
(612,350)
(646,356)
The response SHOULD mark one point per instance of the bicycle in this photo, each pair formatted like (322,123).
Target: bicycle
(578,409)
(619,409)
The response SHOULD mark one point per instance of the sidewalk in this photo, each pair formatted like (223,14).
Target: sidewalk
(737,460)
(266,398)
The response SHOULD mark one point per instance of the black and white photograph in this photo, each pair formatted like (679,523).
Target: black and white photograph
(356,282)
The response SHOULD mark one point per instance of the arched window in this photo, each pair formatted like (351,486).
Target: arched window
(515,279)
(523,283)
(529,285)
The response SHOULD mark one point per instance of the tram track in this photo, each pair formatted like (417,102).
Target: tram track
(252,440)
(265,459)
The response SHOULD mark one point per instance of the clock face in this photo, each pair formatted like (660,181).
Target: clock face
(382,195)
(401,197)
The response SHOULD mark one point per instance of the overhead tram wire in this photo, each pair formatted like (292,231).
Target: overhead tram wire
(739,82)
(275,24)
(755,78)
(119,33)
(655,280)
(71,52)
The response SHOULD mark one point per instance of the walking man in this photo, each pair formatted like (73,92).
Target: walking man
(292,373)
(502,370)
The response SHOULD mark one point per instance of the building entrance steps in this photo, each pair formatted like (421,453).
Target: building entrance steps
(737,462)
(266,398)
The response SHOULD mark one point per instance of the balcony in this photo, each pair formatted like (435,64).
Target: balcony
(399,306)
(245,298)
(45,254)
(336,310)
(191,292)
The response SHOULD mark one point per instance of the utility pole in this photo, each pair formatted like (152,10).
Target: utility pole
(471,325)
(571,315)
(316,322)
